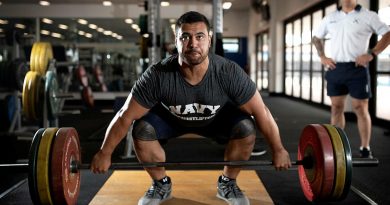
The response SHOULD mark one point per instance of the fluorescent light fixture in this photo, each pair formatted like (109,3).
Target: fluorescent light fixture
(45,32)
(164,3)
(3,21)
(129,21)
(47,21)
(227,5)
(107,3)
(88,35)
(134,26)
(138,30)
(114,35)
(107,33)
(92,26)
(119,37)
(63,26)
(82,21)
(56,35)
(101,30)
(21,26)
(44,3)
(145,35)
(81,33)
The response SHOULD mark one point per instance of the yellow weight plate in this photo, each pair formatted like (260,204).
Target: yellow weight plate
(33,55)
(33,96)
(43,171)
(45,55)
(26,93)
(340,162)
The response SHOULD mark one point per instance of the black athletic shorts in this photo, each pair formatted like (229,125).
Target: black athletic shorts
(349,79)
(166,125)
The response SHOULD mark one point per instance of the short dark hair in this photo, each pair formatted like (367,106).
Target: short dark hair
(192,17)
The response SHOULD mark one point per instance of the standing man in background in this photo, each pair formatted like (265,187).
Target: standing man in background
(350,28)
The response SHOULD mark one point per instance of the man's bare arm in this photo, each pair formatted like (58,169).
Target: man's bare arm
(319,46)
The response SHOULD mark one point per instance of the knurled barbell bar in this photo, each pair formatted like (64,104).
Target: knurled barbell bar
(324,156)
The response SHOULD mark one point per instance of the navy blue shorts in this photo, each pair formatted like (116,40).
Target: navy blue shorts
(220,129)
(348,79)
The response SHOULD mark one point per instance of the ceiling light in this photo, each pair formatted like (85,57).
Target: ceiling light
(56,35)
(0,3)
(107,33)
(82,21)
(146,35)
(81,33)
(88,35)
(46,20)
(101,30)
(45,32)
(107,3)
(92,26)
(134,26)
(63,26)
(44,3)
(164,3)
(227,5)
(3,21)
(119,37)
(129,21)
(21,26)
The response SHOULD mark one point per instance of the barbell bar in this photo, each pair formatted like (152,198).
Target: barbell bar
(55,160)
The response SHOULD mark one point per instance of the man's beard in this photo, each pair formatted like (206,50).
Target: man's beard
(190,59)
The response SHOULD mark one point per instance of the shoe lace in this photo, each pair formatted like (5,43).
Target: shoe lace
(155,191)
(231,190)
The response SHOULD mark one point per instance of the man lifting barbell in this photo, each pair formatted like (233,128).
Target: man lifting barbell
(193,92)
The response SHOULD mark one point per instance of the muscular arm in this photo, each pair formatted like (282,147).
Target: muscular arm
(116,131)
(267,125)
(120,124)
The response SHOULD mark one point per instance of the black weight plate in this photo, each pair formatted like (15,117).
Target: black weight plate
(32,166)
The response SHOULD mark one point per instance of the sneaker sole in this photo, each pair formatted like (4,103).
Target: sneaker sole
(229,202)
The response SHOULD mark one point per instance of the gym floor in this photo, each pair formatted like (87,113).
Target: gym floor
(368,183)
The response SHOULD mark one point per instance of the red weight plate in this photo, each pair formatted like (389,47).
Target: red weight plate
(87,96)
(316,182)
(65,184)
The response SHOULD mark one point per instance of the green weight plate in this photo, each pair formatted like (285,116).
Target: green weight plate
(339,153)
(65,184)
(43,165)
(348,157)
(32,166)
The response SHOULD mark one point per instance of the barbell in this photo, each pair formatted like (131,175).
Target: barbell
(324,164)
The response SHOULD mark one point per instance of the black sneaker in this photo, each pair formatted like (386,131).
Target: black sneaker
(231,193)
(365,153)
(157,193)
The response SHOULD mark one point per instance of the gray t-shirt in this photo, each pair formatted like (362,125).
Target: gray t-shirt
(223,82)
